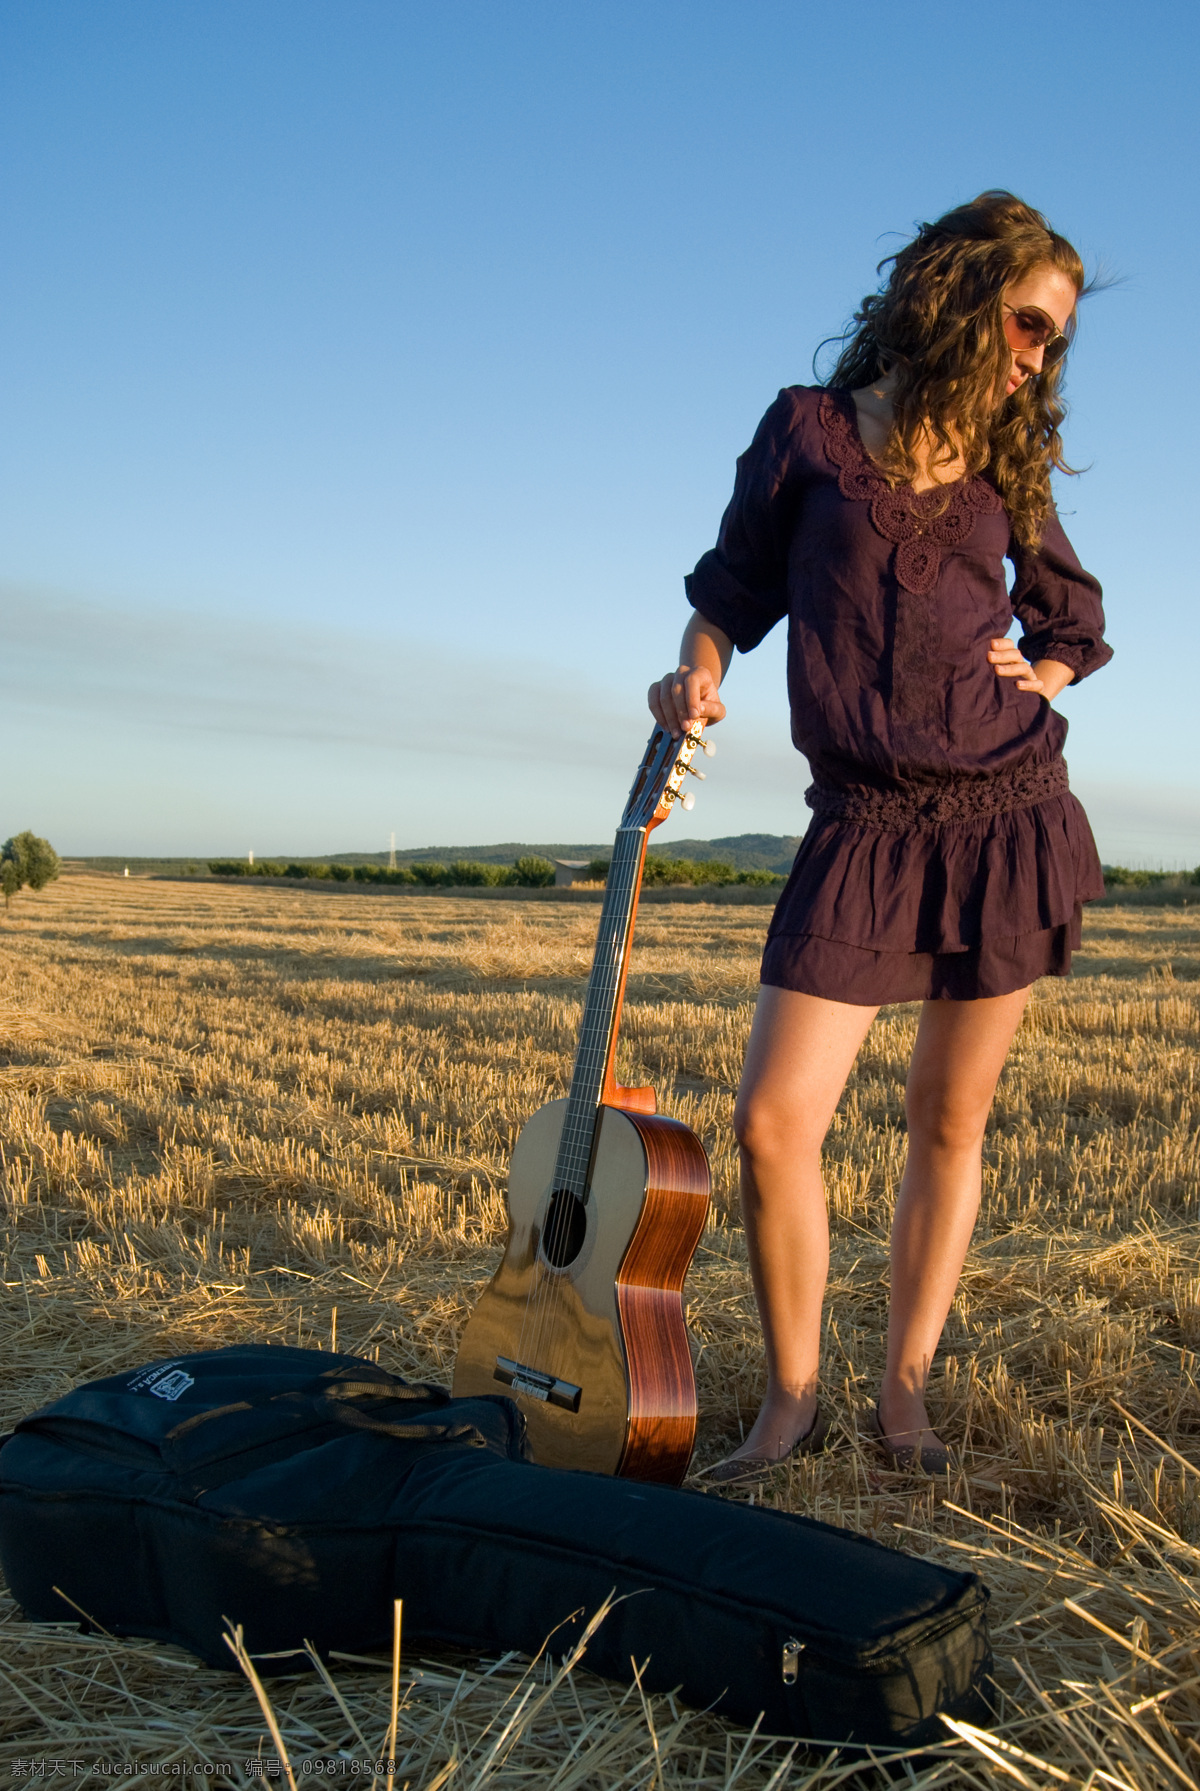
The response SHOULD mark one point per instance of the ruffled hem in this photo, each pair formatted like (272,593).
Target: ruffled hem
(834,971)
(942,889)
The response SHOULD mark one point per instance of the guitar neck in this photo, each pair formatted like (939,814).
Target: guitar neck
(592,1079)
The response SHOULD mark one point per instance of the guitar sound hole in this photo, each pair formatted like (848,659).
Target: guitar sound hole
(565,1228)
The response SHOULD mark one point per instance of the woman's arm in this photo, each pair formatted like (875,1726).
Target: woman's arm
(743,579)
(689,693)
(1060,610)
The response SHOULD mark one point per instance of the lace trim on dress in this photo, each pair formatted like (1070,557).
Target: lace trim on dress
(932,804)
(919,523)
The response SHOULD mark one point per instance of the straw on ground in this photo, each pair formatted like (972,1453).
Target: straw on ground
(225,1114)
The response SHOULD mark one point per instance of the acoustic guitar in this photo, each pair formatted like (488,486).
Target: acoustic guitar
(583,1322)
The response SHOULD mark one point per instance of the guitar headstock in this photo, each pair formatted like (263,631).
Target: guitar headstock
(658,786)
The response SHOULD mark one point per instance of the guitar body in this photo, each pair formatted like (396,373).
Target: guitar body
(612,1388)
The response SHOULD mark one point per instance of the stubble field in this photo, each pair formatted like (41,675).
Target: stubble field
(251,1114)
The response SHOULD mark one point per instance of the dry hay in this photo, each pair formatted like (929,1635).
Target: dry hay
(251,1113)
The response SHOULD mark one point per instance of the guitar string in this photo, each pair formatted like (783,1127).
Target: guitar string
(584,1114)
(547,1294)
(595,1050)
(584,1102)
(583,1109)
(595,1044)
(594,1054)
(564,1175)
(566,1168)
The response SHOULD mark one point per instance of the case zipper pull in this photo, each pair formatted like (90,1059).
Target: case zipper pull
(792,1650)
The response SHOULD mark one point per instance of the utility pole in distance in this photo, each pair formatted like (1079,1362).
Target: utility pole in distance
(392,855)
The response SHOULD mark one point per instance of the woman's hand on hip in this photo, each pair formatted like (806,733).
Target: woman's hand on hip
(1047,677)
(1010,662)
(686,695)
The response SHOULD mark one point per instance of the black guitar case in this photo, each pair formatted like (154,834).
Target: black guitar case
(298,1493)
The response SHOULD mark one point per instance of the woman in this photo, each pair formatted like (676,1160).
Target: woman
(947,861)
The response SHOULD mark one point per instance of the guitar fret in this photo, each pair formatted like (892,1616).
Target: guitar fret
(600,1000)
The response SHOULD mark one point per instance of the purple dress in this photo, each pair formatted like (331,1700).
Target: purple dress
(947,858)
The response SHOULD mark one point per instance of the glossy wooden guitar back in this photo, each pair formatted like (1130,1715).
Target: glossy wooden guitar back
(610,1323)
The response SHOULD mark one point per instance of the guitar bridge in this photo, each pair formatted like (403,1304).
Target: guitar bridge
(547,1387)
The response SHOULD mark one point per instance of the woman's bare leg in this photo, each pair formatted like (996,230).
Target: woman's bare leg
(959,1053)
(800,1053)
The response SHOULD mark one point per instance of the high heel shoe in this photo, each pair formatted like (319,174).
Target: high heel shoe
(741,1470)
(934,1459)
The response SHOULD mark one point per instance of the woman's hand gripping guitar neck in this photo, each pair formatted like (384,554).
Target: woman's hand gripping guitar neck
(689,693)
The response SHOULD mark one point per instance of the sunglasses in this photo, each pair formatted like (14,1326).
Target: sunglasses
(1027,327)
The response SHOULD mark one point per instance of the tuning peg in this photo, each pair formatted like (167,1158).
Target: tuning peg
(708,748)
(694,772)
(688,801)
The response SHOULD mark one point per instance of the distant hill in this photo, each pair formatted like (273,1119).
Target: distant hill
(507,852)
(744,851)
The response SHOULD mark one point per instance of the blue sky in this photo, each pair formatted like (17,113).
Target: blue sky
(373,372)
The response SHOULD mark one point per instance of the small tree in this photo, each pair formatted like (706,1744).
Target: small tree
(533,872)
(26,861)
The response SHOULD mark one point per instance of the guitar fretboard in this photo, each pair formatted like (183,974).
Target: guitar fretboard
(600,1011)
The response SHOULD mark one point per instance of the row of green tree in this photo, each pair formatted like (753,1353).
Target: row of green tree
(527,873)
(1116,876)
(663,873)
(703,870)
(26,862)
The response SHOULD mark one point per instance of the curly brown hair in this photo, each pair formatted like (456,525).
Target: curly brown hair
(938,324)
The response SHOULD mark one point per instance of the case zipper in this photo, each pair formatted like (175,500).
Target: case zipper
(792,1650)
